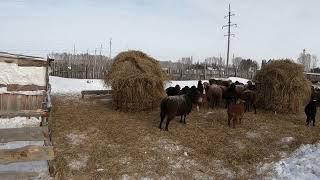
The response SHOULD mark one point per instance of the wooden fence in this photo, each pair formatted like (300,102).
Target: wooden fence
(95,70)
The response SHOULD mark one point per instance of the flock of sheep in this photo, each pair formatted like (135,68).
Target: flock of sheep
(238,99)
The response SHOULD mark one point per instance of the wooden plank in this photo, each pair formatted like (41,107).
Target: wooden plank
(18,87)
(18,175)
(96,92)
(23,61)
(27,153)
(24,134)
(23,113)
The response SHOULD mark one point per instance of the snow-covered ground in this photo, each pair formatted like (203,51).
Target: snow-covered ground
(75,86)
(304,163)
(18,122)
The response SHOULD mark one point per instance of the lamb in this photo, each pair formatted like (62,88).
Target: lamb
(235,112)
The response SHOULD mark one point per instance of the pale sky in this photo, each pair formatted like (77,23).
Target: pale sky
(165,29)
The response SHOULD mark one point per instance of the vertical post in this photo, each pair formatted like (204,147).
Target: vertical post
(228,50)
(110,48)
(229,34)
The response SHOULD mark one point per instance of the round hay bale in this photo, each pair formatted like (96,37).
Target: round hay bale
(282,86)
(137,81)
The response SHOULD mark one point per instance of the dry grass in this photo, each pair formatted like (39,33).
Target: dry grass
(288,86)
(120,144)
(137,81)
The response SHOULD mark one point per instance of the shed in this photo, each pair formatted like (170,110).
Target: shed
(25,145)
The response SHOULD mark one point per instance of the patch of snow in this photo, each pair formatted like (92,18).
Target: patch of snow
(19,144)
(252,135)
(184,83)
(241,80)
(304,163)
(286,140)
(67,86)
(76,139)
(3,90)
(80,163)
(11,73)
(19,122)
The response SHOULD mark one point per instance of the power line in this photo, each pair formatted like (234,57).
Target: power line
(229,25)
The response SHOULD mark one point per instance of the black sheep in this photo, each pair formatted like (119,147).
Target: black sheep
(181,105)
(311,111)
(200,87)
(185,90)
(173,91)
(230,95)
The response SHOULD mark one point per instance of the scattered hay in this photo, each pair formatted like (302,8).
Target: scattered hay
(285,89)
(137,81)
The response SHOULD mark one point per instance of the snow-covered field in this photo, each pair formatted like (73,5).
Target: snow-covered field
(75,86)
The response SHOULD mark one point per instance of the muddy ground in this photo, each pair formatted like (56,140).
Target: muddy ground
(93,141)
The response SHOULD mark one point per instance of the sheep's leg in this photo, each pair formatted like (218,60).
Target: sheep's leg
(313,121)
(162,116)
(255,108)
(307,121)
(229,119)
(240,120)
(234,122)
(184,119)
(167,123)
(181,118)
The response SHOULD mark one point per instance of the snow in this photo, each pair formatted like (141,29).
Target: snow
(75,86)
(184,83)
(18,122)
(241,80)
(11,73)
(4,90)
(304,163)
(67,86)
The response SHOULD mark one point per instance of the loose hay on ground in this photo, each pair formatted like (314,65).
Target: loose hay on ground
(131,144)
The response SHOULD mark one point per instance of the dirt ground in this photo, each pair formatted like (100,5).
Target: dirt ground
(93,141)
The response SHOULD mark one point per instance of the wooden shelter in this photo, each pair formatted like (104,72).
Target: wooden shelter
(25,145)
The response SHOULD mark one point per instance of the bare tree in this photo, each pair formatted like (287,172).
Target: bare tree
(314,61)
(305,59)
(236,63)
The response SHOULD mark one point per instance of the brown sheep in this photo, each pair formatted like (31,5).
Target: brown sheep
(214,95)
(235,112)
(239,90)
(250,99)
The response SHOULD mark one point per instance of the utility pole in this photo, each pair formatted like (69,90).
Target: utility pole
(100,49)
(229,25)
(110,45)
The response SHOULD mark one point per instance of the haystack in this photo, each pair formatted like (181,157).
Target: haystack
(137,81)
(282,86)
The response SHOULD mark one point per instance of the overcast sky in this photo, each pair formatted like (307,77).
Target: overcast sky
(165,29)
